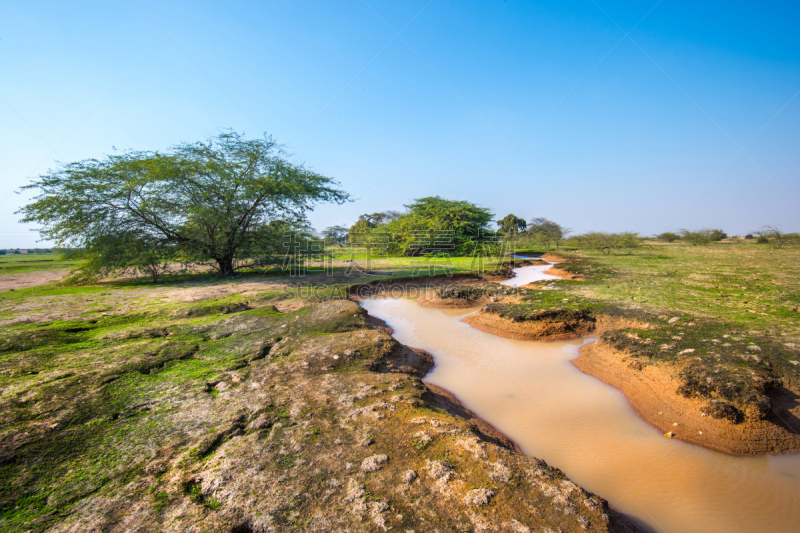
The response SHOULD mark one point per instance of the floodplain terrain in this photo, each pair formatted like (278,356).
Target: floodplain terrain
(274,403)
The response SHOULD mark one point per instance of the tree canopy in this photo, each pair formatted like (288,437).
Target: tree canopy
(511,225)
(703,236)
(546,231)
(430,225)
(606,242)
(226,201)
(335,234)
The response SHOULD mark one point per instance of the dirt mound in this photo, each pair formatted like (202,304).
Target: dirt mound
(545,324)
(454,297)
(653,391)
(563,274)
(416,285)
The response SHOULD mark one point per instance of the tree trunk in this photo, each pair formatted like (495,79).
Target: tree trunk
(225,266)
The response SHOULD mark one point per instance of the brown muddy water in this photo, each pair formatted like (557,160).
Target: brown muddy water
(533,393)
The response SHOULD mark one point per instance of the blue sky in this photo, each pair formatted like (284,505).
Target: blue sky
(602,115)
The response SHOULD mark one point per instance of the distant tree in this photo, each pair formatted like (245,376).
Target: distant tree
(716,235)
(359,231)
(362,229)
(2,252)
(749,236)
(703,236)
(382,217)
(546,231)
(668,237)
(695,238)
(335,235)
(779,239)
(605,243)
(626,241)
(434,224)
(602,242)
(511,225)
(17,252)
(210,201)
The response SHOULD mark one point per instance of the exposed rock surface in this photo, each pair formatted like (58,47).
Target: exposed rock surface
(209,415)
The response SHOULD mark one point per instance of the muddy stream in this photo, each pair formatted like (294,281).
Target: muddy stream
(532,392)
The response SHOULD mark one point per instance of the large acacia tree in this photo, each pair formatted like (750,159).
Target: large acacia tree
(220,201)
(434,224)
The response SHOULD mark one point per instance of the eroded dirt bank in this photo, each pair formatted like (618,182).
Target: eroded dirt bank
(733,404)
(545,324)
(652,390)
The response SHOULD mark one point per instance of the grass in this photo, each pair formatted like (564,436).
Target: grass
(748,286)
(25,263)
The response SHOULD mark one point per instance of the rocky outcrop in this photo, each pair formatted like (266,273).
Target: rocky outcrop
(255,421)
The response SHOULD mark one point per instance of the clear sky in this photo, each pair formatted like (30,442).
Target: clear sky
(602,115)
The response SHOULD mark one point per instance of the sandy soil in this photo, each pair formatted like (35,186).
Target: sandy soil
(651,390)
(430,299)
(553,258)
(563,274)
(24,280)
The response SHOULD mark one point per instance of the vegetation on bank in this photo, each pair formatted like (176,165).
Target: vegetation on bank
(725,317)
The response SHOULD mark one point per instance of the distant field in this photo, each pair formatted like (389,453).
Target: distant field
(755,287)
(23,263)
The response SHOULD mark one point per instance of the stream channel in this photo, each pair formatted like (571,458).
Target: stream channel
(534,394)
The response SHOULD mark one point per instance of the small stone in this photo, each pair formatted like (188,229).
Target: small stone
(675,424)
(478,496)
(699,432)
(439,471)
(673,319)
(686,351)
(373,463)
(409,476)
